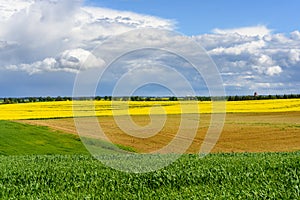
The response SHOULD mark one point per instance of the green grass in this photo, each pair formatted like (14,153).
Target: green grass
(27,172)
(218,176)
(20,139)
(24,139)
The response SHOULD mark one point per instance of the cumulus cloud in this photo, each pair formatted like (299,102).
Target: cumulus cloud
(259,30)
(10,7)
(58,36)
(255,58)
(76,58)
(52,35)
(68,61)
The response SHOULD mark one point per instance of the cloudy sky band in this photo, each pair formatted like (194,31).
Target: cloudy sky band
(40,40)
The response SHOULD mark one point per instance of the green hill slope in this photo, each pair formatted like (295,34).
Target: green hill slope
(23,139)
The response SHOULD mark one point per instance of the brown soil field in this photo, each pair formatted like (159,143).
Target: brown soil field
(242,132)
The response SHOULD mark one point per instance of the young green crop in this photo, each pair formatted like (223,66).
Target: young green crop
(218,176)
(20,139)
(24,139)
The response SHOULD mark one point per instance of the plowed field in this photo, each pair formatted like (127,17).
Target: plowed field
(242,132)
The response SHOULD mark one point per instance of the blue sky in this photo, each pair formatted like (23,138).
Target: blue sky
(45,44)
(201,16)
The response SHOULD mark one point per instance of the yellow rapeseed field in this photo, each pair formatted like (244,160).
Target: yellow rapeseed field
(45,110)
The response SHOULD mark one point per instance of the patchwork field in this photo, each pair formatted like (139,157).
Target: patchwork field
(250,126)
(41,156)
(242,132)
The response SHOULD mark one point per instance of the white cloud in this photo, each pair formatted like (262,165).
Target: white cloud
(40,66)
(274,70)
(259,30)
(295,35)
(10,7)
(265,60)
(58,36)
(248,59)
(34,31)
(68,61)
(269,71)
(294,56)
(247,47)
(76,58)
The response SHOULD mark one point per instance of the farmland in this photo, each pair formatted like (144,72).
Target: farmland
(242,132)
(278,120)
(23,139)
(218,176)
(46,110)
(256,157)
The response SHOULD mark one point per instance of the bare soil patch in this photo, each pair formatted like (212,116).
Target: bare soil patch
(242,132)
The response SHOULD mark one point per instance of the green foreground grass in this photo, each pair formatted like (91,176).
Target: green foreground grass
(27,171)
(218,176)
(23,139)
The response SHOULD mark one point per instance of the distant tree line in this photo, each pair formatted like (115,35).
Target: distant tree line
(11,100)
(140,98)
(262,97)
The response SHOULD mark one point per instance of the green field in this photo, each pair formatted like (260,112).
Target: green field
(23,139)
(217,176)
(27,171)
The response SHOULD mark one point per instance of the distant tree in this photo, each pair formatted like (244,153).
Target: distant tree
(98,98)
(48,98)
(32,99)
(19,100)
(6,101)
(173,99)
(135,98)
(148,99)
(67,98)
(237,98)
(59,98)
(41,99)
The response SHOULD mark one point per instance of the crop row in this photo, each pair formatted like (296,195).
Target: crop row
(218,176)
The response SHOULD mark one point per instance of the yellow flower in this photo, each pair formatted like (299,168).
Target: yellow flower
(43,110)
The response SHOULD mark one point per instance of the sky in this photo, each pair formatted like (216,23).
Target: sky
(45,45)
(199,17)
